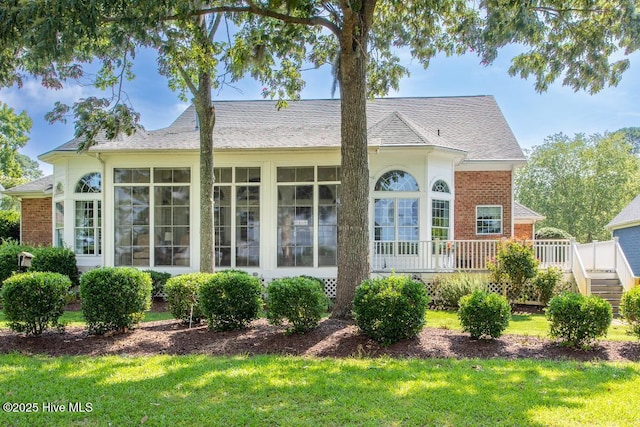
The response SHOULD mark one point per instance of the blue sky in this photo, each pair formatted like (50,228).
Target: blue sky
(532,116)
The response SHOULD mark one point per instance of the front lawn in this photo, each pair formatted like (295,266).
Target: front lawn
(74,318)
(521,324)
(274,390)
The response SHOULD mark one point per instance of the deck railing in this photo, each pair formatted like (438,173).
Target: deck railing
(468,255)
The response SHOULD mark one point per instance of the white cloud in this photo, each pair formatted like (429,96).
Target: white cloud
(33,96)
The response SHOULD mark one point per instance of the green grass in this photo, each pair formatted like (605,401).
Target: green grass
(274,390)
(521,324)
(74,318)
(530,324)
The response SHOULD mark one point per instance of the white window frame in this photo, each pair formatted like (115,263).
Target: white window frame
(315,183)
(151,185)
(501,220)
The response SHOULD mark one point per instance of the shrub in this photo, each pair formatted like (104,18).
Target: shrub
(114,299)
(299,300)
(577,319)
(230,300)
(390,309)
(9,251)
(483,314)
(56,260)
(34,301)
(630,309)
(182,296)
(550,233)
(515,263)
(9,225)
(452,287)
(546,282)
(158,280)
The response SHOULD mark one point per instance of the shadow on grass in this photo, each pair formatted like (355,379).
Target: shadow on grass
(268,390)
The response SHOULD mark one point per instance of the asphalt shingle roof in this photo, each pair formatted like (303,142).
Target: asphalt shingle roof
(472,124)
(38,186)
(523,212)
(629,215)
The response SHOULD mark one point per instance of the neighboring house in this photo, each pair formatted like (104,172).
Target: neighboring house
(626,228)
(440,169)
(36,218)
(524,220)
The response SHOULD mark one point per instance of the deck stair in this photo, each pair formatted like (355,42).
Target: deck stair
(607,286)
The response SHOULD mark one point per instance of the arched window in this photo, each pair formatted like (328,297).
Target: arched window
(440,187)
(90,183)
(397,180)
(396,216)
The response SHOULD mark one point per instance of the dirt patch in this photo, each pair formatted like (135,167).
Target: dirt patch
(333,338)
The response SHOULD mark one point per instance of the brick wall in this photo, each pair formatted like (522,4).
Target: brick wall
(36,221)
(523,231)
(481,188)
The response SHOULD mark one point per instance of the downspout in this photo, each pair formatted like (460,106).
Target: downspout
(513,169)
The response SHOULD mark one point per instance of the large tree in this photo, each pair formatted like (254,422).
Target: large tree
(570,40)
(580,183)
(53,41)
(14,134)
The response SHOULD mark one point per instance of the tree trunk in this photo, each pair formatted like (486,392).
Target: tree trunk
(353,217)
(206,120)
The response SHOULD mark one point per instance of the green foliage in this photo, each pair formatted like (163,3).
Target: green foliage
(158,280)
(578,320)
(230,300)
(9,251)
(182,296)
(546,282)
(299,300)
(630,309)
(390,309)
(580,183)
(451,287)
(484,314)
(14,129)
(9,225)
(34,301)
(514,263)
(114,299)
(551,233)
(56,260)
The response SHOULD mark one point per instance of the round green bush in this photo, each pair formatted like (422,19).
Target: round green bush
(182,296)
(9,251)
(34,301)
(56,260)
(390,309)
(451,287)
(578,320)
(158,281)
(546,282)
(551,233)
(484,314)
(230,300)
(114,299)
(630,309)
(299,300)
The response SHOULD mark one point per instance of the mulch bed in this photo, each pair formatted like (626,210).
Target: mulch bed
(333,338)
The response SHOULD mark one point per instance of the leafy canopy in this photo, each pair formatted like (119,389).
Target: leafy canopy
(580,183)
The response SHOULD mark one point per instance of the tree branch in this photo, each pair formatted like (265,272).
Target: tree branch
(214,27)
(187,79)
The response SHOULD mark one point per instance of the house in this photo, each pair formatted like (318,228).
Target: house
(441,169)
(626,228)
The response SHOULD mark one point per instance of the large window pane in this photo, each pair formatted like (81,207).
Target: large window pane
(440,219)
(132,225)
(87,227)
(396,220)
(171,215)
(222,224)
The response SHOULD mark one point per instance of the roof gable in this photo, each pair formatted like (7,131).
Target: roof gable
(630,215)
